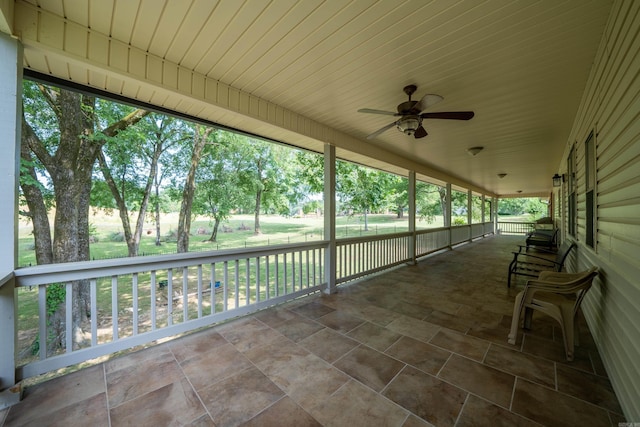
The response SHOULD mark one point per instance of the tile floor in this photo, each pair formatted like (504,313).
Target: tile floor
(419,345)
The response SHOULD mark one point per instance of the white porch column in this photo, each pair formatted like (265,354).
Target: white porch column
(10,126)
(470,213)
(447,214)
(330,217)
(412,216)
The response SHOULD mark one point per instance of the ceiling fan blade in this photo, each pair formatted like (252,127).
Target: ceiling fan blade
(427,101)
(449,115)
(421,132)
(369,110)
(379,131)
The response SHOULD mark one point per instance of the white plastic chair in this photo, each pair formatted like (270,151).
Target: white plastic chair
(555,294)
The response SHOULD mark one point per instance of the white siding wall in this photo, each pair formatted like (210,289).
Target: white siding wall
(611,108)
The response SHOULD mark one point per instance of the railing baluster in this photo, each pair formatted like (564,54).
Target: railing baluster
(199,291)
(68,298)
(213,288)
(114,306)
(93,296)
(185,294)
(225,303)
(134,283)
(258,279)
(247,277)
(153,300)
(170,297)
(42,323)
(284,274)
(267,278)
(237,283)
(277,274)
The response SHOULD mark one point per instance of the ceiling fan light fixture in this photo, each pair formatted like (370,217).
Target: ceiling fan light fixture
(408,124)
(502,175)
(473,151)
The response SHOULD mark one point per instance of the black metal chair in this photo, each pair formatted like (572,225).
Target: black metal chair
(542,238)
(525,264)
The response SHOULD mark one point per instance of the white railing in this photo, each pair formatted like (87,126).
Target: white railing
(460,234)
(134,301)
(360,256)
(432,240)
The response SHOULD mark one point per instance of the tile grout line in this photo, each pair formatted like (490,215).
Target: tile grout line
(106,393)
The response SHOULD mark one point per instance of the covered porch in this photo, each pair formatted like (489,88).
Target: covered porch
(415,345)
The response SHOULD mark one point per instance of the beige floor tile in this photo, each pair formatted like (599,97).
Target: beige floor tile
(533,368)
(284,412)
(219,363)
(42,400)
(369,366)
(418,354)
(449,321)
(313,310)
(589,387)
(130,382)
(340,321)
(468,346)
(298,328)
(194,345)
(170,405)
(92,411)
(485,381)
(374,336)
(414,328)
(426,396)
(480,412)
(550,407)
(248,332)
(328,344)
(239,398)
(356,405)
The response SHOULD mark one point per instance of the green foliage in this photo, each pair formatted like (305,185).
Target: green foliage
(116,236)
(55,297)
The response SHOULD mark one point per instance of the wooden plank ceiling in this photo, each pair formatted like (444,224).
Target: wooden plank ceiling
(521,66)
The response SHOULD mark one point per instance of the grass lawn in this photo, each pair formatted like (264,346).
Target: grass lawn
(237,232)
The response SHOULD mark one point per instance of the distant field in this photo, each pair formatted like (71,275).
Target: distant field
(234,233)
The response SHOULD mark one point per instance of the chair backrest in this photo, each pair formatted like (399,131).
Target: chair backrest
(583,285)
(563,253)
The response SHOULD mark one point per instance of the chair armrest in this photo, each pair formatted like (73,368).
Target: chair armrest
(550,261)
(561,283)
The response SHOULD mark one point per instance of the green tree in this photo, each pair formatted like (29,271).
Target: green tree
(62,135)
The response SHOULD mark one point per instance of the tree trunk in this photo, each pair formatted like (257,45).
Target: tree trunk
(35,202)
(442,191)
(184,221)
(70,169)
(157,210)
(214,233)
(366,220)
(256,222)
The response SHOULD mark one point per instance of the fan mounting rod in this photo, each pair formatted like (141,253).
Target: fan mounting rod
(410,90)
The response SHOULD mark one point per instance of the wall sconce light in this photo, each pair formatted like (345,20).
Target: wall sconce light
(557,180)
(473,151)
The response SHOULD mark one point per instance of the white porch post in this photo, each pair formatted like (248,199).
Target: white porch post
(412,216)
(470,213)
(330,217)
(10,126)
(447,214)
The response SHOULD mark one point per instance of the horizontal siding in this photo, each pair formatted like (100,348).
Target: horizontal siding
(611,107)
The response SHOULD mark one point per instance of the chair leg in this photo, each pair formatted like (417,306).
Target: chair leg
(528,315)
(515,320)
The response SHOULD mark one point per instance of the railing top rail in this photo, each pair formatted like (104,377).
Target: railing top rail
(6,278)
(373,238)
(70,271)
(431,230)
